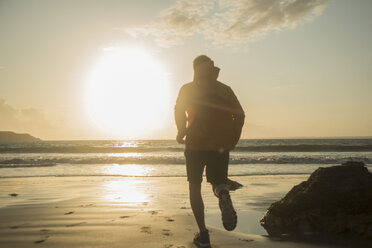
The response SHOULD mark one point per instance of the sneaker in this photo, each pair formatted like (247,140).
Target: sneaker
(229,218)
(201,239)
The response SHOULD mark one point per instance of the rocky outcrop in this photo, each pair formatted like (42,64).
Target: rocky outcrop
(334,200)
(16,137)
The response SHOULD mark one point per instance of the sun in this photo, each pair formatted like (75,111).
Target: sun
(127,93)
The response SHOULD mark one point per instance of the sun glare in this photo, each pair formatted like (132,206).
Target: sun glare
(129,192)
(127,92)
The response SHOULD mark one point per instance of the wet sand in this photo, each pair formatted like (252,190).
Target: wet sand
(131,212)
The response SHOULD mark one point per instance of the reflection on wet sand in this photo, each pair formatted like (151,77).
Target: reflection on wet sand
(128,170)
(126,191)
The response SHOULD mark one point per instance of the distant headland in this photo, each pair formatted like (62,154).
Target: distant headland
(6,136)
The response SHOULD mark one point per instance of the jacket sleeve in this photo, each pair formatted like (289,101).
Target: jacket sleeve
(238,115)
(180,111)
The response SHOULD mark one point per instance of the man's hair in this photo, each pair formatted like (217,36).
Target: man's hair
(200,60)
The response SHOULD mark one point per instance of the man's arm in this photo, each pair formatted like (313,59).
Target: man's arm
(180,116)
(237,115)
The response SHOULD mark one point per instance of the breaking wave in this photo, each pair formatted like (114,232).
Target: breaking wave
(171,160)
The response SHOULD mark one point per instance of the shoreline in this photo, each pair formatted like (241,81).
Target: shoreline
(155,176)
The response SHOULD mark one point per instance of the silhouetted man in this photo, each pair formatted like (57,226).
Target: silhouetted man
(209,120)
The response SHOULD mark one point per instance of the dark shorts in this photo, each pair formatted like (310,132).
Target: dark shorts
(216,164)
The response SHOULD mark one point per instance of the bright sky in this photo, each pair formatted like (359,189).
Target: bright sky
(300,68)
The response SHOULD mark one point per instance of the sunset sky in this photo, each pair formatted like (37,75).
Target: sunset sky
(299,68)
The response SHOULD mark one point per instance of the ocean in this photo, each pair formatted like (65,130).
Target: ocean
(164,158)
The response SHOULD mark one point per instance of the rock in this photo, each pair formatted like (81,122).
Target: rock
(335,200)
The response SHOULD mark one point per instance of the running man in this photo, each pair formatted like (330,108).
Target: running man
(209,120)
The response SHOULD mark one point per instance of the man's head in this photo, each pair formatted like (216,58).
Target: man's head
(203,66)
(201,59)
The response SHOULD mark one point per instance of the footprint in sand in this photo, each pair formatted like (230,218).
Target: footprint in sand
(40,241)
(169,219)
(69,212)
(246,240)
(44,236)
(75,224)
(124,216)
(166,232)
(86,205)
(168,246)
(153,212)
(146,229)
(15,227)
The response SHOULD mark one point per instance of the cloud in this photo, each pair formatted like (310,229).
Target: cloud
(176,23)
(227,23)
(22,120)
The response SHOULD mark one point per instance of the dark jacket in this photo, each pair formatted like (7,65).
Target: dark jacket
(210,114)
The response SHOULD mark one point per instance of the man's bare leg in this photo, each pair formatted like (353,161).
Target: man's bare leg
(197,205)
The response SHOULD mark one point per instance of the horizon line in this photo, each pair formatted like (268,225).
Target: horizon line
(273,138)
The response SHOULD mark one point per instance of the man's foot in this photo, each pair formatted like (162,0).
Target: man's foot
(229,218)
(201,239)
(233,185)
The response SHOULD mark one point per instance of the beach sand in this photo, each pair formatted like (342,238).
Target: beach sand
(131,212)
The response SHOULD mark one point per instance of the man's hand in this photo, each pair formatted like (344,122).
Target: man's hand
(180,137)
